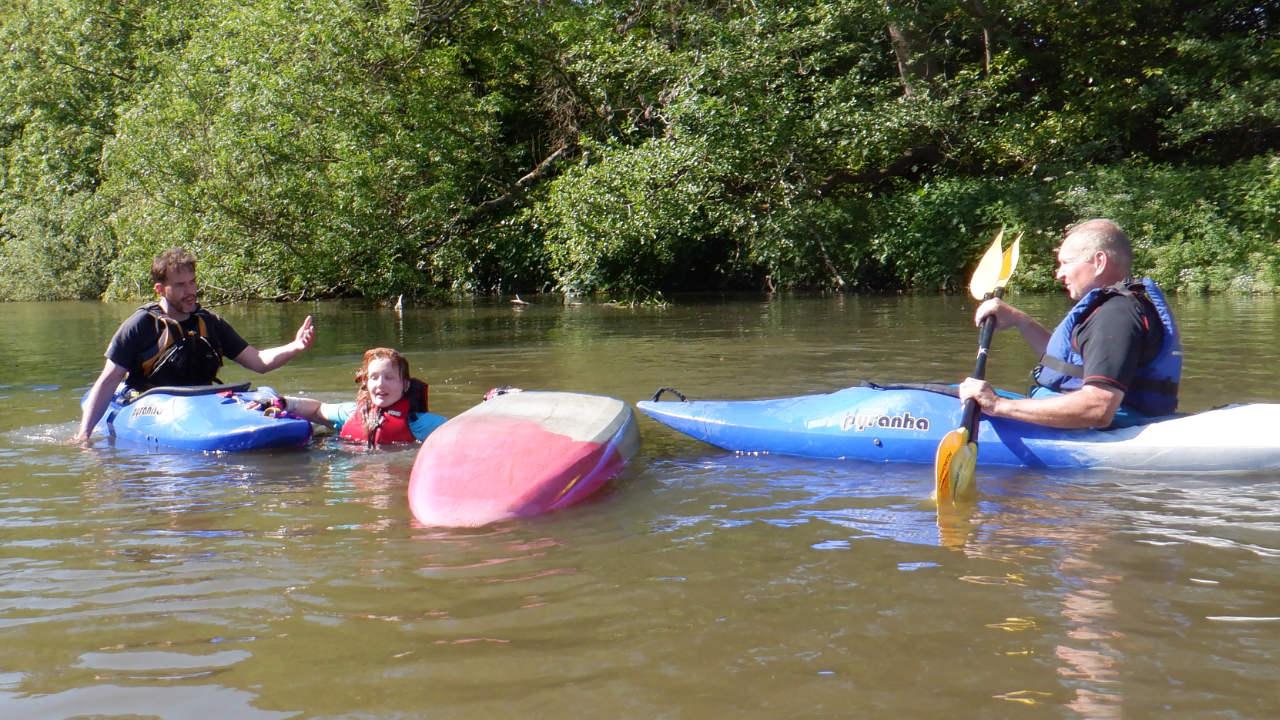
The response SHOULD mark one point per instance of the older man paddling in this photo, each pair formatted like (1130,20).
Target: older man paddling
(174,341)
(1114,360)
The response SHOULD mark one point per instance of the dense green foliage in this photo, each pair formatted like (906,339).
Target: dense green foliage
(311,148)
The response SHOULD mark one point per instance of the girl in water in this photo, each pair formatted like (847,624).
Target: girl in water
(390,406)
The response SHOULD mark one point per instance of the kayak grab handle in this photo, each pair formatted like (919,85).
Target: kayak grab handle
(673,391)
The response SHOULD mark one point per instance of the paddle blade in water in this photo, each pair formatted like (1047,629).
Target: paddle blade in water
(952,443)
(964,470)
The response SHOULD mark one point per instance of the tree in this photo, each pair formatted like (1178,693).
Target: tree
(302,150)
(68,66)
(309,148)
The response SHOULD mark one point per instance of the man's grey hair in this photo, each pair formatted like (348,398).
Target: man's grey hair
(1103,235)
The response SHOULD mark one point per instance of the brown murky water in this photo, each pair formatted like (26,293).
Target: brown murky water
(700,585)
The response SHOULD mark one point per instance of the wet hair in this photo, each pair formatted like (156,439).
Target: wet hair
(170,260)
(368,413)
(1105,236)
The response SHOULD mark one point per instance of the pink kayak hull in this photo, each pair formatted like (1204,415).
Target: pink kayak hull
(519,455)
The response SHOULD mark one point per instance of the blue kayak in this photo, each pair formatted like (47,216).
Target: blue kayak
(211,418)
(905,423)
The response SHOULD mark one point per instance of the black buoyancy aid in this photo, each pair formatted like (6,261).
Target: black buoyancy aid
(391,425)
(1155,385)
(181,357)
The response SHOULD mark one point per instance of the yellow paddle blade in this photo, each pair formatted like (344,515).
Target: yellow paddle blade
(1009,262)
(964,470)
(951,444)
(955,468)
(987,274)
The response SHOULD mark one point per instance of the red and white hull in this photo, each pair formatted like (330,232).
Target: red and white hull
(520,454)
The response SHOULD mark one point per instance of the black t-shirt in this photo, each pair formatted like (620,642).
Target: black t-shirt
(1118,337)
(136,339)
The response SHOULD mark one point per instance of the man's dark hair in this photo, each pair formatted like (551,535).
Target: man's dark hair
(170,260)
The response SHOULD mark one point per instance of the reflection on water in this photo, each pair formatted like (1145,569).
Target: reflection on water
(701,584)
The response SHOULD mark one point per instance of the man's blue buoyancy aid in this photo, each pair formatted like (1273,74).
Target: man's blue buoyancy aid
(1155,385)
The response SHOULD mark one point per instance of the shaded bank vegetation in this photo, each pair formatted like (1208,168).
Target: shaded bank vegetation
(315,148)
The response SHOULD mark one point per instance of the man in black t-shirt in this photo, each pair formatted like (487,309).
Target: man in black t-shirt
(176,342)
(193,358)
(1110,341)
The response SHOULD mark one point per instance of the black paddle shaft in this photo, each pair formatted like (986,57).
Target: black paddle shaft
(985,332)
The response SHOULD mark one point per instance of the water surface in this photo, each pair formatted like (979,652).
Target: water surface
(294,584)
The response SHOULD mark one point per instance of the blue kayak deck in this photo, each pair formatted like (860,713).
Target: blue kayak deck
(905,424)
(208,418)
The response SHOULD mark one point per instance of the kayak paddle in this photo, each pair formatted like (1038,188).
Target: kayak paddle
(957,458)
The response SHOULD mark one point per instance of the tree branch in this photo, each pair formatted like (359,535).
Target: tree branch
(908,163)
(521,186)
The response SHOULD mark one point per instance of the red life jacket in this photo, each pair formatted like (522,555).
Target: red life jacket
(392,425)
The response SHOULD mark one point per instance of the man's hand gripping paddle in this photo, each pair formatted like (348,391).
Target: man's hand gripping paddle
(957,458)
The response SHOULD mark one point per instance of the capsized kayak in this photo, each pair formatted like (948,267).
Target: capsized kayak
(520,454)
(210,418)
(905,423)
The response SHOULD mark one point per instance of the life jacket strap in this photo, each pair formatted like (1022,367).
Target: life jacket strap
(417,394)
(1162,387)
(172,339)
(1062,366)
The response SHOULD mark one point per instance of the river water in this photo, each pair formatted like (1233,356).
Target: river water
(701,584)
